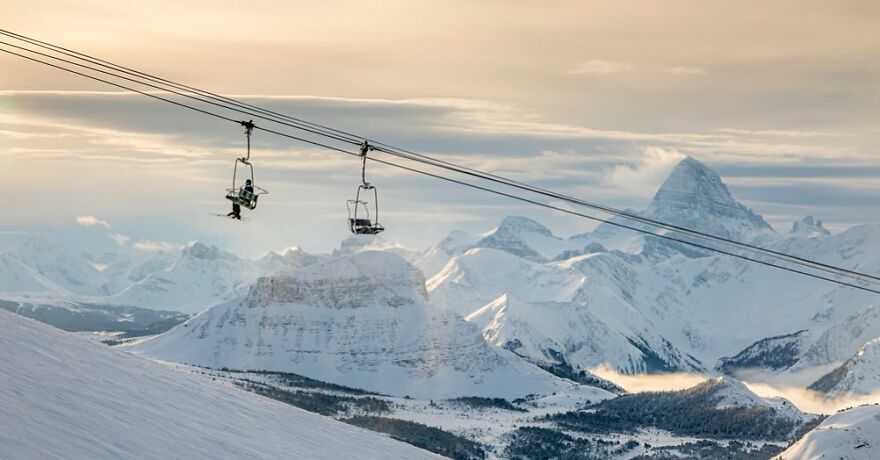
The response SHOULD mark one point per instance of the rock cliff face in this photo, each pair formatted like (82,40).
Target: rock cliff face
(360,320)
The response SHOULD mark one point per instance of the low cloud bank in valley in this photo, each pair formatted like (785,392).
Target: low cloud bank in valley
(805,400)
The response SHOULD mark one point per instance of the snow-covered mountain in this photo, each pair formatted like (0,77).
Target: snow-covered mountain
(641,303)
(859,375)
(46,267)
(694,197)
(361,320)
(612,296)
(201,277)
(190,280)
(66,397)
(850,434)
(731,393)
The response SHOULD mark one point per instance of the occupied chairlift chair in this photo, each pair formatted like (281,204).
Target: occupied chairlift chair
(359,221)
(242,194)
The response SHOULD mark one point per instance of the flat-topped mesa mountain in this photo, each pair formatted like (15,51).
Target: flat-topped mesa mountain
(361,321)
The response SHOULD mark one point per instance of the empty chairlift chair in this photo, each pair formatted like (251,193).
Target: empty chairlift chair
(360,220)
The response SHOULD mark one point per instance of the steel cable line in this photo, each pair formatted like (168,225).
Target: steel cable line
(171,101)
(172,91)
(655,223)
(353,139)
(639,230)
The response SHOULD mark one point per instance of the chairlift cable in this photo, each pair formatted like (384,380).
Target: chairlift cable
(352,138)
(485,176)
(433,161)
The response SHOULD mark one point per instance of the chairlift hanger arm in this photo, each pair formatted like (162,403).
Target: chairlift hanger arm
(248,130)
(365,147)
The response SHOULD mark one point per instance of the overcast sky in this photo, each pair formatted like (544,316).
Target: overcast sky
(595,99)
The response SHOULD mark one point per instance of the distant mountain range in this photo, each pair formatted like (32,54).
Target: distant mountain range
(609,296)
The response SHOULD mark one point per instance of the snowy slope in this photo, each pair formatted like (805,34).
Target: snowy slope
(858,375)
(851,435)
(65,397)
(15,277)
(360,321)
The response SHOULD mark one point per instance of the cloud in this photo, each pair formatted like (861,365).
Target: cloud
(785,133)
(119,239)
(90,221)
(641,383)
(158,160)
(812,401)
(155,246)
(600,67)
(646,173)
(804,399)
(682,70)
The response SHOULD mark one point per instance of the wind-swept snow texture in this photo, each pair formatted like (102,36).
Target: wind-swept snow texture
(62,397)
(853,434)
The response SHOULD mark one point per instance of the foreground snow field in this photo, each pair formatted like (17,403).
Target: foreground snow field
(65,397)
(850,435)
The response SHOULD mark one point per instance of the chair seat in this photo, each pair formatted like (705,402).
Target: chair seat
(243,198)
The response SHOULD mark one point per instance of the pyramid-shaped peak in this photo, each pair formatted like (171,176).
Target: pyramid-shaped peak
(693,179)
(695,197)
